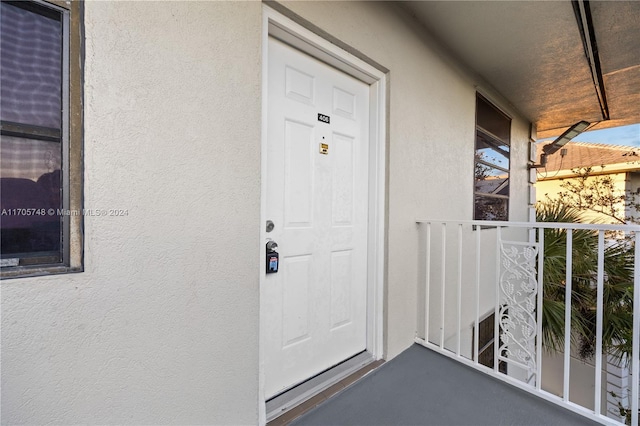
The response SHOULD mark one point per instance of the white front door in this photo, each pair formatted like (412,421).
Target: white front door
(315,306)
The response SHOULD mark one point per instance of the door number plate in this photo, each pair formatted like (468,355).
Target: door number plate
(324,118)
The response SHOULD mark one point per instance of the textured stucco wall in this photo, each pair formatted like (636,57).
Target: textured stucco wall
(633,192)
(431,139)
(162,327)
(581,383)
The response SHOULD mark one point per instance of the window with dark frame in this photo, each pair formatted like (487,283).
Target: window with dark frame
(38,139)
(486,342)
(492,152)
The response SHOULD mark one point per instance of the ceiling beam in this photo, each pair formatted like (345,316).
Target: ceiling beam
(585,24)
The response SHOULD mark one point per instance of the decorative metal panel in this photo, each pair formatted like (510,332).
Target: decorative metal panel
(517,313)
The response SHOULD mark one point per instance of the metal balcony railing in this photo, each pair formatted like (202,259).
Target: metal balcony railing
(551,308)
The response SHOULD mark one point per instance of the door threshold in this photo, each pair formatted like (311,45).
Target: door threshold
(283,408)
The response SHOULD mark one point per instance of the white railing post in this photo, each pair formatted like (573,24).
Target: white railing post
(539,308)
(459,331)
(444,283)
(427,282)
(599,317)
(567,316)
(476,332)
(635,353)
(496,329)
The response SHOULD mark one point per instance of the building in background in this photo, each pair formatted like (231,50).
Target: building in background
(606,178)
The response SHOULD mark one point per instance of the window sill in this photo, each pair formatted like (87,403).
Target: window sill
(37,271)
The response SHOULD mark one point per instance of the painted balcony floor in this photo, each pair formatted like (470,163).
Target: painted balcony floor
(421,387)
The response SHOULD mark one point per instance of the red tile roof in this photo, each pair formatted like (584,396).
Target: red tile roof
(585,154)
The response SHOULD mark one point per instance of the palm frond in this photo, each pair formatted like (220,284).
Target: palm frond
(617,290)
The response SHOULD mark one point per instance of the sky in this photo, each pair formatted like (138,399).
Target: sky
(625,135)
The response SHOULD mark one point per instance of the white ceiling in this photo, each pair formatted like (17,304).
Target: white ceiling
(532,53)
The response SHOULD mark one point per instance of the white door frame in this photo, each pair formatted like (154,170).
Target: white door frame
(283,28)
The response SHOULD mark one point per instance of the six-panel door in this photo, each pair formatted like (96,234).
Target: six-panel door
(315,306)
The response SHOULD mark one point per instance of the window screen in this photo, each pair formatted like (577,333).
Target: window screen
(31,137)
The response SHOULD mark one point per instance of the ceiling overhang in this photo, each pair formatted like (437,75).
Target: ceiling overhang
(556,62)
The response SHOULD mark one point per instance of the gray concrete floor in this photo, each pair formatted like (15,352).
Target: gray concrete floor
(422,387)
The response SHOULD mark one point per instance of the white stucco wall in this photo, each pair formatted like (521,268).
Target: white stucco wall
(162,327)
(633,192)
(431,140)
(581,383)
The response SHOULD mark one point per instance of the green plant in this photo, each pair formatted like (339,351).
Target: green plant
(617,289)
(623,411)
